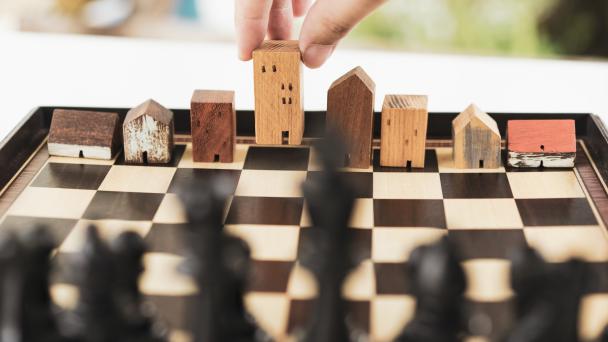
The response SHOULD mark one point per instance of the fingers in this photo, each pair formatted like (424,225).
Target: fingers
(251,17)
(327,22)
(300,7)
(281,20)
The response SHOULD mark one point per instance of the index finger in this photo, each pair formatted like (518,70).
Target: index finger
(251,18)
(327,22)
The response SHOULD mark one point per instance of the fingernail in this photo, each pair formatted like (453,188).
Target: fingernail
(315,55)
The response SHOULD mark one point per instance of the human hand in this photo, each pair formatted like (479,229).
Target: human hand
(327,22)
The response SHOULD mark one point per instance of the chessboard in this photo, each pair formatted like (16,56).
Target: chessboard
(485,213)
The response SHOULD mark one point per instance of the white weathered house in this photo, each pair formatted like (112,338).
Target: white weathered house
(148,134)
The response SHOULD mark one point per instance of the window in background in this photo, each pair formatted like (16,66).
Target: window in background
(544,28)
(515,27)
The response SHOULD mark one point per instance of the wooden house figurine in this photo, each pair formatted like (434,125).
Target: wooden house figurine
(148,134)
(279,113)
(350,114)
(476,140)
(403,131)
(77,133)
(213,122)
(541,143)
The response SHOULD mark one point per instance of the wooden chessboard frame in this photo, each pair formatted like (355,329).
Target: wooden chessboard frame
(18,149)
(23,155)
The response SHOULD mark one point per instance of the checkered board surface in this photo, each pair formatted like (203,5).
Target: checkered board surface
(485,212)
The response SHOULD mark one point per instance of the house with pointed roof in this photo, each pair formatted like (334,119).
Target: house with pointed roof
(350,114)
(476,140)
(148,134)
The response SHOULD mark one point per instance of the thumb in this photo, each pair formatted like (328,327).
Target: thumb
(327,22)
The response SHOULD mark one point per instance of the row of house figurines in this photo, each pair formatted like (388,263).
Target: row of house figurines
(147,131)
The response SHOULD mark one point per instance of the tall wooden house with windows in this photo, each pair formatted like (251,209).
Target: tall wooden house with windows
(279,113)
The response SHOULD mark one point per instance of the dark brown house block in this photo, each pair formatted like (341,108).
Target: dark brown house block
(350,114)
(78,133)
(213,121)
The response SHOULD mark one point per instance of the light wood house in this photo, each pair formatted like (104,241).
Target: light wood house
(403,131)
(279,114)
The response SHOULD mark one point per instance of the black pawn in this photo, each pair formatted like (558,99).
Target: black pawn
(38,312)
(548,298)
(129,249)
(438,283)
(219,264)
(330,201)
(27,308)
(11,262)
(96,318)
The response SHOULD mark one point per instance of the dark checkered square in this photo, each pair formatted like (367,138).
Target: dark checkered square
(360,239)
(556,212)
(598,282)
(184,178)
(358,313)
(123,206)
(486,244)
(277,158)
(475,185)
(361,182)
(270,276)
(71,176)
(392,278)
(265,210)
(59,228)
(409,213)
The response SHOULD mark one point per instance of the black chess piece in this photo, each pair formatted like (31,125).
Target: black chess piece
(28,313)
(548,298)
(438,283)
(96,317)
(38,312)
(137,317)
(330,201)
(604,335)
(11,290)
(219,264)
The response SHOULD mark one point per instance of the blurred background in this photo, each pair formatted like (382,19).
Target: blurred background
(538,28)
